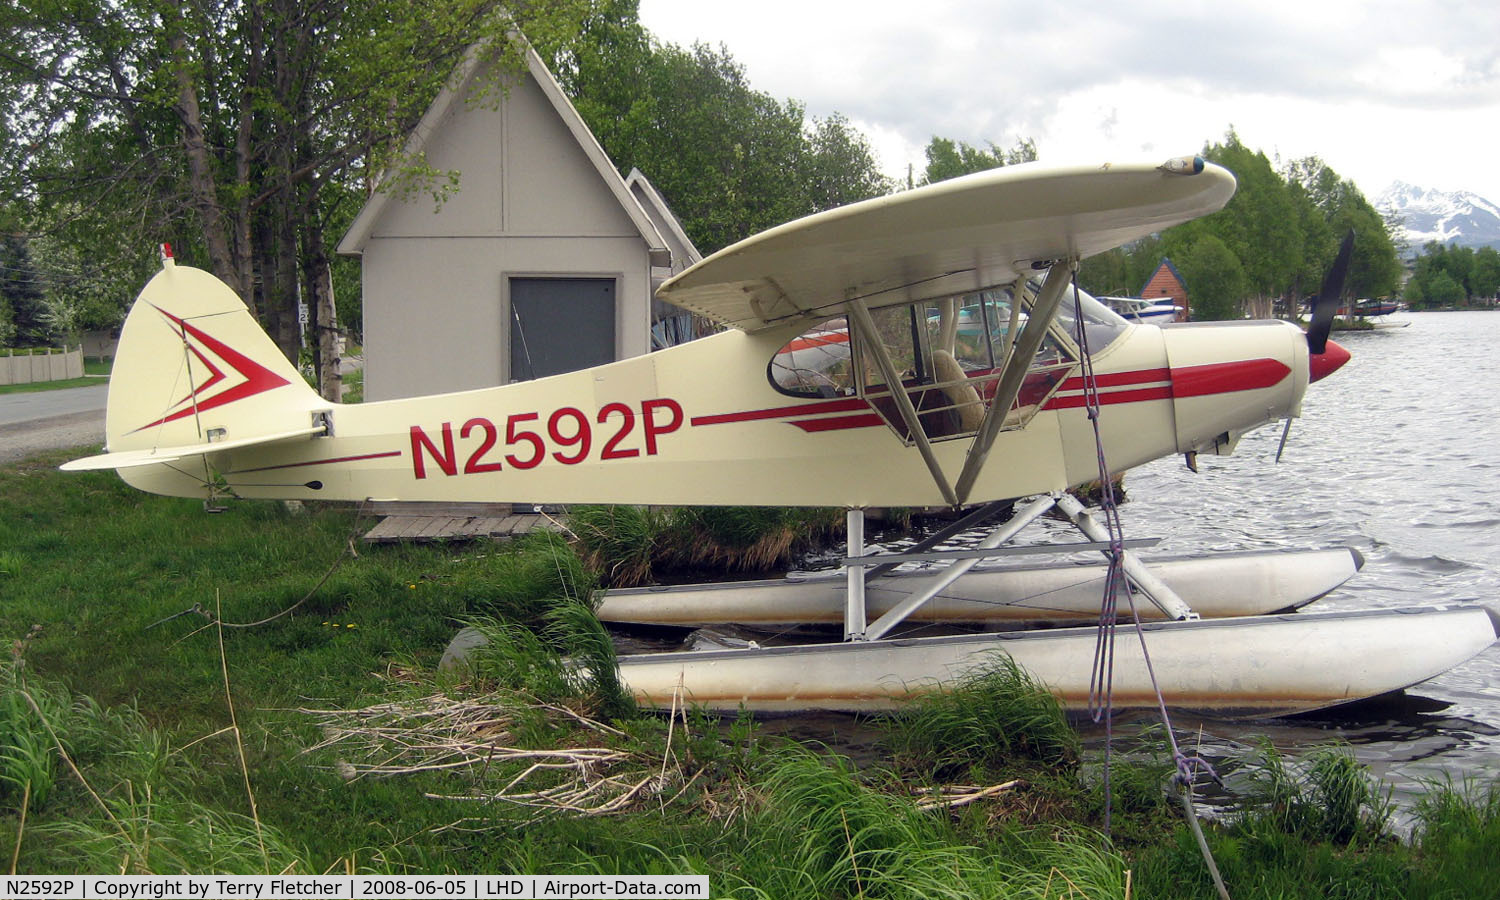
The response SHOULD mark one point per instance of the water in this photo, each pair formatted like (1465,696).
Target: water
(1396,455)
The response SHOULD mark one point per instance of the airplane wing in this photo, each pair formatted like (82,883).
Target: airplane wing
(127,459)
(944,239)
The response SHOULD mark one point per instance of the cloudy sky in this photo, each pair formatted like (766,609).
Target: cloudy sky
(1380,90)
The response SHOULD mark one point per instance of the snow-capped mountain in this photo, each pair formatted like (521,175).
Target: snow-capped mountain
(1457,217)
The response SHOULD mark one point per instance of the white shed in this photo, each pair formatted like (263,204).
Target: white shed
(541,262)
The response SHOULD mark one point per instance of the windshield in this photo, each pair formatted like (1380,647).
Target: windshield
(1101,325)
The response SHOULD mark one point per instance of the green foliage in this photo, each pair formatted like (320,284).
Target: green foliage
(1280,230)
(1327,796)
(1451,276)
(996,713)
(730,160)
(1216,281)
(1374,269)
(631,545)
(949,159)
(824,833)
(1443,290)
(519,582)
(1486,278)
(240,132)
(140,711)
(619,542)
(23,308)
(136,818)
(1254,224)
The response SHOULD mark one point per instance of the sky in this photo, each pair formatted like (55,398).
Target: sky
(1381,91)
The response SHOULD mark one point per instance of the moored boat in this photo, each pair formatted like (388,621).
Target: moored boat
(1140,309)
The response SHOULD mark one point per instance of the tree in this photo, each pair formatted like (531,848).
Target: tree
(1443,290)
(949,159)
(1257,225)
(840,165)
(1215,279)
(21,291)
(1486,279)
(226,120)
(730,160)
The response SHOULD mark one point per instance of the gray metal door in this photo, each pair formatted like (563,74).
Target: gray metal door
(560,325)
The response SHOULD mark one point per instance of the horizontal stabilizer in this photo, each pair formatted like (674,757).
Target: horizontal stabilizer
(127,459)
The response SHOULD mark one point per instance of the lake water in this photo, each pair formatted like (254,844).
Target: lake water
(1398,456)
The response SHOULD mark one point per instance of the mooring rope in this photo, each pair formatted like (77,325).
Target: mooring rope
(1101,680)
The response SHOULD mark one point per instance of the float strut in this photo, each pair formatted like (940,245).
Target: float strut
(854,605)
(1156,590)
(954,572)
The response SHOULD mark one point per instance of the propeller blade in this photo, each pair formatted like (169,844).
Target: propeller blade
(1328,297)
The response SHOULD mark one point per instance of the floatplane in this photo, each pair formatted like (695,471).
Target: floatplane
(926,349)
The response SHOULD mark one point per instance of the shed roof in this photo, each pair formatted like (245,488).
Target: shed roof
(645,192)
(360,232)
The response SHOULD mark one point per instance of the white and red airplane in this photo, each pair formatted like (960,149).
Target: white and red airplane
(922,349)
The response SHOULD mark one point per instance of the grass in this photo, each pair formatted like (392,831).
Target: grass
(96,371)
(35,386)
(354,386)
(998,714)
(633,545)
(117,746)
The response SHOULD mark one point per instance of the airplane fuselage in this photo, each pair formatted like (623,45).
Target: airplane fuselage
(702,424)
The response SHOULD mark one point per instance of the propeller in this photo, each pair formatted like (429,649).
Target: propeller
(1324,356)
(1327,303)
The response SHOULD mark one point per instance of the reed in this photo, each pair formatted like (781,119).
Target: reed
(994,715)
(631,545)
(1327,795)
(821,832)
(618,542)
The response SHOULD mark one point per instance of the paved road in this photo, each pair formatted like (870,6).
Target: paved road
(45,420)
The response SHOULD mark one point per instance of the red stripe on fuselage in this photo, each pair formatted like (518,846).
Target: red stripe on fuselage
(1228,378)
(779,412)
(1186,381)
(839,424)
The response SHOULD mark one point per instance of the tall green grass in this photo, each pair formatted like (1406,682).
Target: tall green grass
(994,715)
(1326,795)
(104,792)
(822,833)
(631,545)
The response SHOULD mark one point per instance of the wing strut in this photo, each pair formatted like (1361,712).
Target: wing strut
(1027,343)
(870,338)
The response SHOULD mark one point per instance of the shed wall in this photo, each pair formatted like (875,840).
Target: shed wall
(529,203)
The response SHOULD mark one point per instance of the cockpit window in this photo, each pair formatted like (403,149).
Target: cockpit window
(949,356)
(816,363)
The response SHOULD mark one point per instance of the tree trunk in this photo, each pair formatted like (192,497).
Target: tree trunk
(318,281)
(200,165)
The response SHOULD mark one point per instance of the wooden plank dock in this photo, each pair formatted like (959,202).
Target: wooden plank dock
(433,522)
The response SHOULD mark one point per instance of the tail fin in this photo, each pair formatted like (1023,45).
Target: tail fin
(194,368)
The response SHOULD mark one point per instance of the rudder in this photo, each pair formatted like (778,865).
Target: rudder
(193,366)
